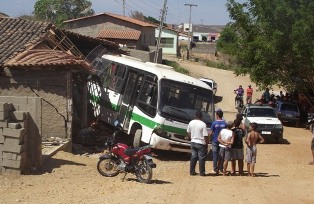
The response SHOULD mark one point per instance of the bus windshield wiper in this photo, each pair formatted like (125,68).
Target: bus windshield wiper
(176,112)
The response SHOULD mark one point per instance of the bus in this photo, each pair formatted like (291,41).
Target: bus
(152,102)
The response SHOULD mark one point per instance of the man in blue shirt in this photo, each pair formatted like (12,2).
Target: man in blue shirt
(215,129)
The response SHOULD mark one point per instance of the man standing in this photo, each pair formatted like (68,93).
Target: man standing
(312,147)
(266,96)
(249,93)
(215,129)
(198,133)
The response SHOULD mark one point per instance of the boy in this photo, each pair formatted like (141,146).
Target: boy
(251,149)
(237,148)
(225,139)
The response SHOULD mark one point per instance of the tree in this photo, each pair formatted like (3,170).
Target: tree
(58,11)
(137,15)
(272,41)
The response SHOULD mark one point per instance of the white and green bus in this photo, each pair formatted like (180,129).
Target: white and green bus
(152,102)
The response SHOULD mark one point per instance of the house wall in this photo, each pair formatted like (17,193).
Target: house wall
(168,34)
(51,87)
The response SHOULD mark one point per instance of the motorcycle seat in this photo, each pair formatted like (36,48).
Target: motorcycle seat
(131,151)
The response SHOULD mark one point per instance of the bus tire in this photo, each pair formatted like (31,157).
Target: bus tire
(137,138)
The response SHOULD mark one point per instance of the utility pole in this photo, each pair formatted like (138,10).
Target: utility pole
(189,42)
(164,10)
(123,2)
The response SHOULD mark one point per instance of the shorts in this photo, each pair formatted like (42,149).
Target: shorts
(237,154)
(312,146)
(224,154)
(251,154)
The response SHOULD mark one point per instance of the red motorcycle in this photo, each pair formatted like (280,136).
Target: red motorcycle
(122,159)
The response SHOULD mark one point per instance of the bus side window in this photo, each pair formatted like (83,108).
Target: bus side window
(117,77)
(148,98)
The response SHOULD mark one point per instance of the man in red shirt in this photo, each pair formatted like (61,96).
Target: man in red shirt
(249,93)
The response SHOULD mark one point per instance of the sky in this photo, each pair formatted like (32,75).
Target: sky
(206,12)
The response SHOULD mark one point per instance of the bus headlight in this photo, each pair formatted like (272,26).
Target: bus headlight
(160,132)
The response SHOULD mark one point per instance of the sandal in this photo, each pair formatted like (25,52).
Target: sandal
(311,163)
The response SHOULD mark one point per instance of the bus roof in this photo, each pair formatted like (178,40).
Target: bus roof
(162,71)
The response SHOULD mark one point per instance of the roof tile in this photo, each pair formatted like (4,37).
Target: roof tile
(45,58)
(17,35)
(120,34)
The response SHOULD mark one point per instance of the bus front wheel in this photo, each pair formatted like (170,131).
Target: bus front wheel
(137,138)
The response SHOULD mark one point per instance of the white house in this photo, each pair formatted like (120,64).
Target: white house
(168,40)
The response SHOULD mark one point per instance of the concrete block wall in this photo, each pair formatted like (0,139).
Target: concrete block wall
(13,140)
(20,140)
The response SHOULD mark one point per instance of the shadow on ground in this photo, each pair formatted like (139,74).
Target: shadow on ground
(53,163)
(171,155)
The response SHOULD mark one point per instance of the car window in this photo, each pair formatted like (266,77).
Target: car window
(262,112)
(289,107)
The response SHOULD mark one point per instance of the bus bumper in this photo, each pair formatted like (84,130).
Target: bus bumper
(165,144)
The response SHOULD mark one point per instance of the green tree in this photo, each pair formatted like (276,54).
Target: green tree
(58,11)
(272,41)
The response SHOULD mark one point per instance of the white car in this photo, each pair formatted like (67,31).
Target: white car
(211,83)
(268,124)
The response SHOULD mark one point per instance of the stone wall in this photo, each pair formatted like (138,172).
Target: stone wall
(206,48)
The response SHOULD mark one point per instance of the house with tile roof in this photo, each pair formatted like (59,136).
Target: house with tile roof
(43,88)
(122,30)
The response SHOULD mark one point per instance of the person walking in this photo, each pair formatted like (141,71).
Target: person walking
(215,129)
(198,133)
(251,150)
(249,94)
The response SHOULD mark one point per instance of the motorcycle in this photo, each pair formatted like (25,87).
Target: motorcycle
(238,101)
(122,159)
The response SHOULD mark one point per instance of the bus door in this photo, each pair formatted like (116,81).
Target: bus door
(130,94)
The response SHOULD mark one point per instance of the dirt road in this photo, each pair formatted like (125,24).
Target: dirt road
(283,173)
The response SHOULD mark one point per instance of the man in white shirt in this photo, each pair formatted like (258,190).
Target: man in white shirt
(198,133)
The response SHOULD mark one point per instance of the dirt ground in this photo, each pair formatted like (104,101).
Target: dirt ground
(283,173)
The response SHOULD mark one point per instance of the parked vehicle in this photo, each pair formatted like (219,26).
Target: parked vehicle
(122,159)
(310,121)
(288,111)
(211,83)
(269,126)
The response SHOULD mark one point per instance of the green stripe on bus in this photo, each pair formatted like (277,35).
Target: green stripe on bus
(141,119)
(102,102)
(151,124)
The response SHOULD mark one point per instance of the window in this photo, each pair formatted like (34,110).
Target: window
(147,101)
(167,42)
(115,77)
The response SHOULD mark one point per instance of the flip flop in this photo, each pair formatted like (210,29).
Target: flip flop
(311,163)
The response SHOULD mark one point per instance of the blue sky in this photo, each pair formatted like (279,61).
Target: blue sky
(207,12)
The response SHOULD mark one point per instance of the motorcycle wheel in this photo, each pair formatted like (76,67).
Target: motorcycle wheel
(107,167)
(144,172)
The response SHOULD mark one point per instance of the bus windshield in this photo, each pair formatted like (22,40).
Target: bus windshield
(179,101)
